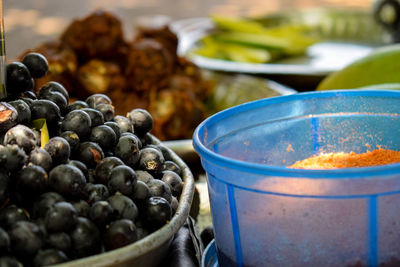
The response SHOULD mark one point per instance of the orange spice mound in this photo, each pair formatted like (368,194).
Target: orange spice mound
(349,160)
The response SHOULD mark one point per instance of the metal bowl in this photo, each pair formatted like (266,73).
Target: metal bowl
(151,250)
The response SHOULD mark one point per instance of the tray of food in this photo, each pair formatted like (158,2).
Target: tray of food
(93,55)
(306,42)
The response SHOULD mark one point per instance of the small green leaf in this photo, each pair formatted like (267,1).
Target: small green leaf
(41,125)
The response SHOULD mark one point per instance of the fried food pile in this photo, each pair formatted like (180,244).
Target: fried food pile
(93,56)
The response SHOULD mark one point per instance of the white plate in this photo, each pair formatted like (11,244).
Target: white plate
(321,58)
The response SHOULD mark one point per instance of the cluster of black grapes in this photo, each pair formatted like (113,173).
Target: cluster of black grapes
(84,182)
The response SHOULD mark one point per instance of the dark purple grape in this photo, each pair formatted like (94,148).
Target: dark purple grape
(4,242)
(127,149)
(174,181)
(159,188)
(12,214)
(4,187)
(142,121)
(41,224)
(28,101)
(153,146)
(172,166)
(59,150)
(72,139)
(8,117)
(59,240)
(134,136)
(101,213)
(81,166)
(120,233)
(18,78)
(12,158)
(90,154)
(96,116)
(82,208)
(48,257)
(97,192)
(77,121)
(158,211)
(10,261)
(42,158)
(143,176)
(28,94)
(23,110)
(78,104)
(140,192)
(165,151)
(22,136)
(61,217)
(46,109)
(151,160)
(122,179)
(107,110)
(36,63)
(125,125)
(96,99)
(124,207)
(104,136)
(53,86)
(146,139)
(85,238)
(44,202)
(113,125)
(38,136)
(67,180)
(26,238)
(55,92)
(104,167)
(31,180)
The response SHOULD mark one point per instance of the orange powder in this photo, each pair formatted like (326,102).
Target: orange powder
(349,160)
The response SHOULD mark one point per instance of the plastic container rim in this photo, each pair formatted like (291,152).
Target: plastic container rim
(255,168)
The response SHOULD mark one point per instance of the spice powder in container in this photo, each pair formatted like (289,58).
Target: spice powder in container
(339,160)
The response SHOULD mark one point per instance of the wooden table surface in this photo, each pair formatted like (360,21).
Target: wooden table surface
(29,23)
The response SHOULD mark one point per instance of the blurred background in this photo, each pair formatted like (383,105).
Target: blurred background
(30,22)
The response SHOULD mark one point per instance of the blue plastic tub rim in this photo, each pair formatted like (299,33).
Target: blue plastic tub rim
(278,171)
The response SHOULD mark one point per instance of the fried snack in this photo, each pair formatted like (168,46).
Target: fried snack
(177,110)
(92,56)
(149,65)
(163,35)
(98,35)
(98,76)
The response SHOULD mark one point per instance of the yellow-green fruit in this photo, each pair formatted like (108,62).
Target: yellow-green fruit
(382,86)
(382,65)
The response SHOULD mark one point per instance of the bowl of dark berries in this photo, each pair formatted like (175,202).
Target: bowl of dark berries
(79,184)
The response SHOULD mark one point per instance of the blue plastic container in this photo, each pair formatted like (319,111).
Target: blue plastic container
(266,214)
